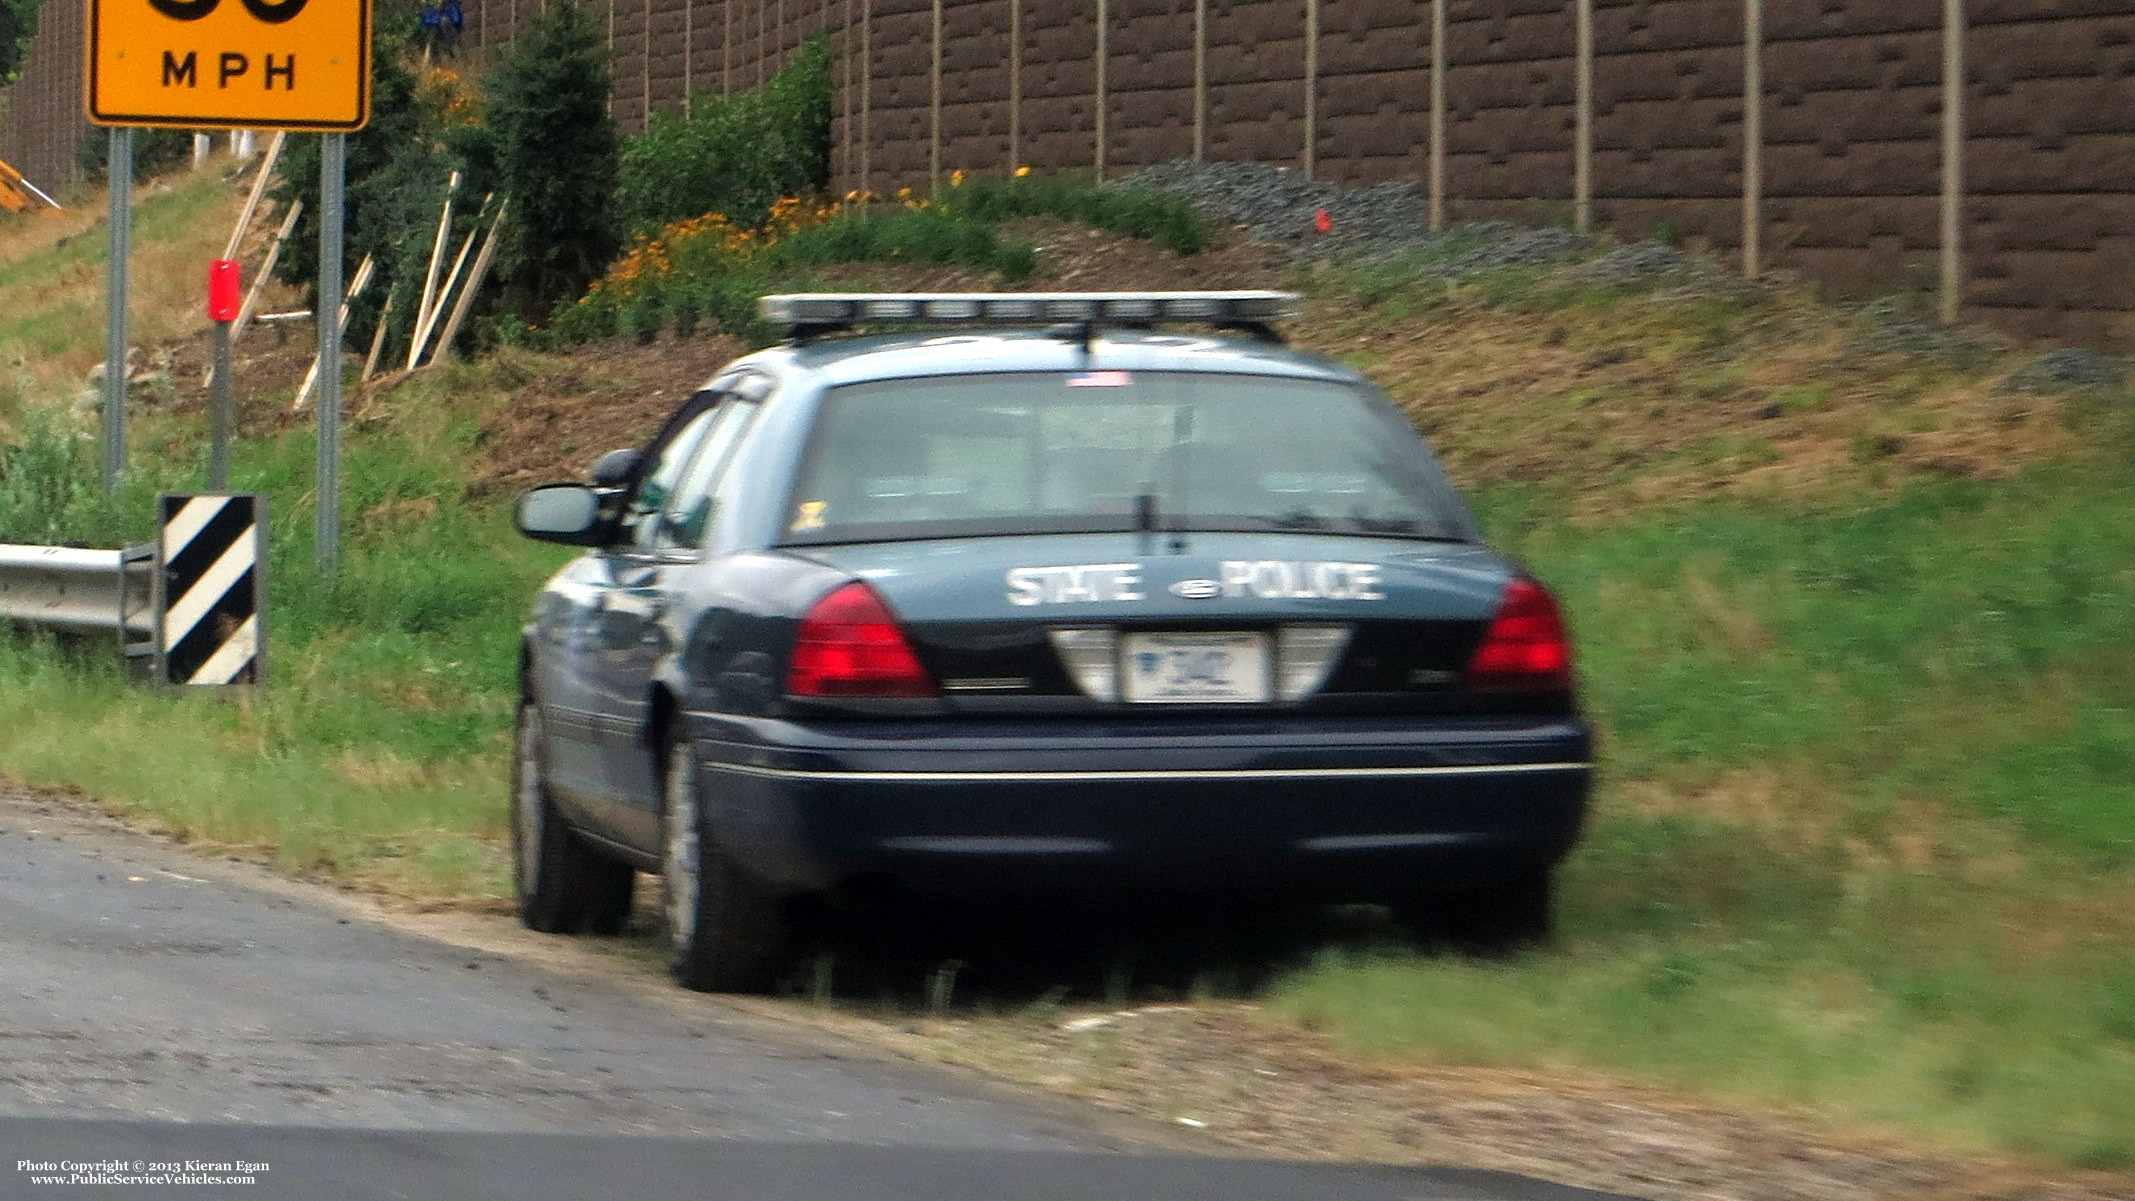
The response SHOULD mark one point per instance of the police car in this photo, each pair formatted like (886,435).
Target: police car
(1069,595)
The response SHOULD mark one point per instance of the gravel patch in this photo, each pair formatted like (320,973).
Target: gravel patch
(1390,222)
(2068,369)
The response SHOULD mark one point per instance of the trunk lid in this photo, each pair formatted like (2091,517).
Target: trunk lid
(1037,623)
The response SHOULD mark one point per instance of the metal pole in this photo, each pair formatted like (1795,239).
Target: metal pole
(1015,84)
(845,95)
(1200,80)
(119,163)
(221,418)
(934,107)
(1312,85)
(867,88)
(333,161)
(1583,155)
(1104,51)
(1438,115)
(1953,142)
(1752,137)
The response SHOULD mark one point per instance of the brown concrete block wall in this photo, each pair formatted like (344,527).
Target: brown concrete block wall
(44,129)
(1852,113)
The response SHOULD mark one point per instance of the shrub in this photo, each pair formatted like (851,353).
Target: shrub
(712,268)
(1167,220)
(737,155)
(548,143)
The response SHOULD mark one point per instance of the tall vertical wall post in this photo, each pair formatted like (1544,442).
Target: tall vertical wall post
(333,167)
(1437,181)
(1104,55)
(1752,137)
(867,90)
(845,92)
(1312,87)
(1953,144)
(1015,84)
(119,165)
(934,107)
(1200,80)
(1583,153)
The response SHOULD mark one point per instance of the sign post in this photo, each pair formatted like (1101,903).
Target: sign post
(120,182)
(224,300)
(333,164)
(238,64)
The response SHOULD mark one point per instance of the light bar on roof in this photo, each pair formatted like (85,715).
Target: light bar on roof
(836,309)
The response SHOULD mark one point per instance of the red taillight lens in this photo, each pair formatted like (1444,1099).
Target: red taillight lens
(1525,646)
(849,645)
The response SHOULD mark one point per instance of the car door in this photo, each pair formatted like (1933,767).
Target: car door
(583,626)
(642,623)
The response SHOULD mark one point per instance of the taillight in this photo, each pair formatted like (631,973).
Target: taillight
(1525,646)
(849,645)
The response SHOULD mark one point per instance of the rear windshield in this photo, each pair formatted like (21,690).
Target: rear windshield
(976,455)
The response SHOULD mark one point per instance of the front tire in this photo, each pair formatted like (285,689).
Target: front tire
(563,886)
(727,929)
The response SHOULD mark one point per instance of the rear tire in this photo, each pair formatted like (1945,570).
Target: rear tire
(1502,917)
(728,930)
(563,886)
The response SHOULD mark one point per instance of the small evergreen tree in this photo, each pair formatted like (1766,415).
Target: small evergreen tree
(548,143)
(380,185)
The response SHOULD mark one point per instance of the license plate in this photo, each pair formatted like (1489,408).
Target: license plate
(1195,668)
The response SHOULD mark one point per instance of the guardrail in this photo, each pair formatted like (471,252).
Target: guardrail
(77,591)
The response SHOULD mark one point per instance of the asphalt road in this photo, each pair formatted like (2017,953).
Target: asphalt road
(158,1008)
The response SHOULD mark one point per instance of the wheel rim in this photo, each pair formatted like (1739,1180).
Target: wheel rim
(527,802)
(680,879)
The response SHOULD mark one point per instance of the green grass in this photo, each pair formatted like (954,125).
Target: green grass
(378,750)
(1866,839)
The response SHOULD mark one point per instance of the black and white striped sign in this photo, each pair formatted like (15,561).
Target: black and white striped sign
(212,615)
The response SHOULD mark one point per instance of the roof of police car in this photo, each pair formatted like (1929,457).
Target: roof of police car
(854,359)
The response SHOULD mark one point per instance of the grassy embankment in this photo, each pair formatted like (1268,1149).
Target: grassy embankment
(1856,625)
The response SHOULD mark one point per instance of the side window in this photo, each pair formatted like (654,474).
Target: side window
(683,521)
(664,473)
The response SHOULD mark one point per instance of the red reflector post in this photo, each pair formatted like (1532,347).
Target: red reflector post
(849,645)
(223,290)
(1525,646)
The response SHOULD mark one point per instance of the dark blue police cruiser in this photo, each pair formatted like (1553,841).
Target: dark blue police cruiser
(1044,597)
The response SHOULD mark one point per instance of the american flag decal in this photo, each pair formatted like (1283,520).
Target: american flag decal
(210,615)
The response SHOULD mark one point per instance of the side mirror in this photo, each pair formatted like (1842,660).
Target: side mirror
(566,513)
(614,469)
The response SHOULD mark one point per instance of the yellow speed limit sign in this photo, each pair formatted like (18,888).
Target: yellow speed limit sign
(222,64)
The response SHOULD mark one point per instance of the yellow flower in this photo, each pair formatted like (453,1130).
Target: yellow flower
(956,179)
(1022,171)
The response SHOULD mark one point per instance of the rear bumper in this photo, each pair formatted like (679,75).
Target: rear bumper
(1337,810)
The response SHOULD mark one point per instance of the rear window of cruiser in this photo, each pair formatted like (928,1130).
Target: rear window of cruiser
(1031,453)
